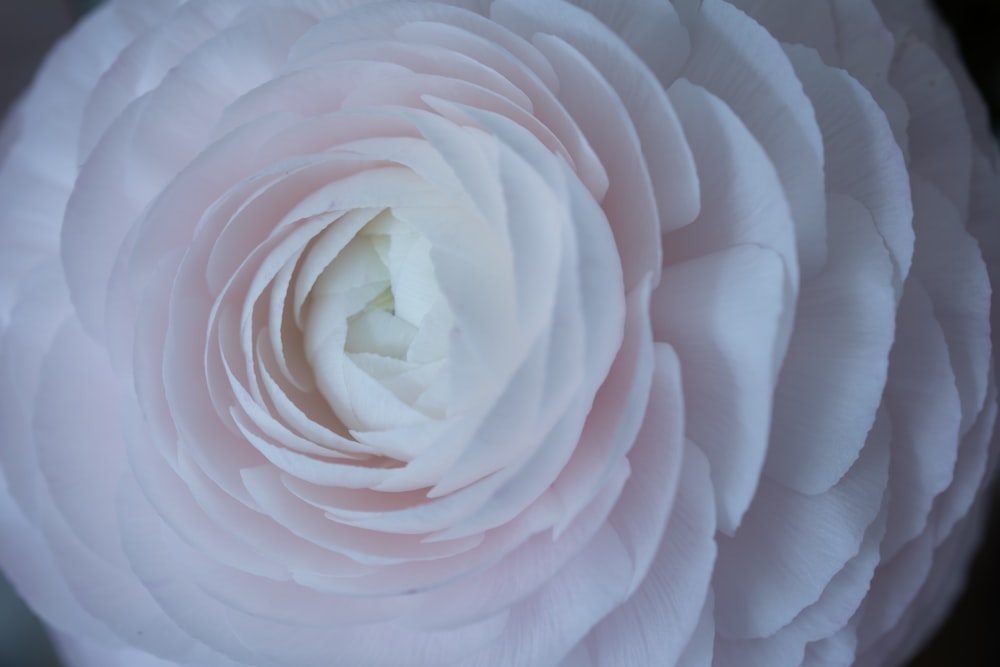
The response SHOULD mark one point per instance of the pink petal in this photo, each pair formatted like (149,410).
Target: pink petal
(835,372)
(742,64)
(663,149)
(829,615)
(809,22)
(83,651)
(657,622)
(652,29)
(923,402)
(939,139)
(796,544)
(728,359)
(863,160)
(948,262)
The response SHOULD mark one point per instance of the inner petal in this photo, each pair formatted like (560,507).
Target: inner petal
(379,303)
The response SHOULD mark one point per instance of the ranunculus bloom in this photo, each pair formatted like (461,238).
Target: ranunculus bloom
(495,333)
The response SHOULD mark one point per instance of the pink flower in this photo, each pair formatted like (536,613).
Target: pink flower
(472,333)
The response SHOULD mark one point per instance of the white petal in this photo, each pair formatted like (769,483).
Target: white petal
(837,363)
(863,160)
(721,313)
(923,402)
(790,545)
(742,64)
(658,621)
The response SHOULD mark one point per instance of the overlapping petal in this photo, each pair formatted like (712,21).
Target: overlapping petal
(378,332)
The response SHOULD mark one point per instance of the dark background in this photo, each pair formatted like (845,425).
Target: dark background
(967,639)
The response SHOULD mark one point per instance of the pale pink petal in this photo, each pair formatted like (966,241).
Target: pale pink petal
(78,438)
(796,544)
(914,569)
(29,565)
(976,456)
(949,264)
(700,650)
(739,183)
(939,139)
(809,22)
(728,361)
(730,350)
(941,589)
(652,29)
(540,631)
(523,557)
(579,657)
(841,648)
(77,651)
(38,163)
(830,614)
(166,36)
(923,402)
(617,414)
(629,195)
(863,160)
(655,372)
(735,59)
(79,523)
(156,136)
(550,119)
(664,151)
(835,372)
(37,317)
(658,621)
(249,638)
(866,48)
(645,505)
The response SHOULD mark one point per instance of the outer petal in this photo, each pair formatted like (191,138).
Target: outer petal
(37,160)
(740,62)
(730,350)
(78,651)
(796,544)
(657,623)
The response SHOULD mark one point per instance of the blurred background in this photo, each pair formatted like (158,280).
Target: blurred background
(969,637)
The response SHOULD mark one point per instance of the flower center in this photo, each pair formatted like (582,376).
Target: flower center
(381,294)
